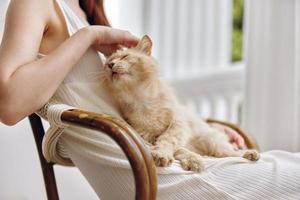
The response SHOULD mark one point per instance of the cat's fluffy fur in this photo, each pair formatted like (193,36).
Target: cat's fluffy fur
(149,105)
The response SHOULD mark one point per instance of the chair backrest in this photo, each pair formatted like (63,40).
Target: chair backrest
(47,168)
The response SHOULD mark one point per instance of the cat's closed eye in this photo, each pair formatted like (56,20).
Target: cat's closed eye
(123,57)
(111,65)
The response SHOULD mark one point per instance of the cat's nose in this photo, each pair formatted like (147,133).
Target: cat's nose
(110,65)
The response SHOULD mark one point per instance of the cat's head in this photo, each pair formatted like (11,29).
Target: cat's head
(132,66)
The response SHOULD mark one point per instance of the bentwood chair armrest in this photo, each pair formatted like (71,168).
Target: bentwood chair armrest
(139,157)
(250,142)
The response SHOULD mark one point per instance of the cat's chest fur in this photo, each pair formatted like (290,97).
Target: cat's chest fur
(149,116)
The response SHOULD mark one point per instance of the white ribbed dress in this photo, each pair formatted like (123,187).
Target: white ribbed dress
(275,176)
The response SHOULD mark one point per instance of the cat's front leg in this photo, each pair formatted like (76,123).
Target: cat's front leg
(162,157)
(189,160)
(166,144)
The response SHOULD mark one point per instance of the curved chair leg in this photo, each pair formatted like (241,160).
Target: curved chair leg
(143,167)
(146,154)
(47,168)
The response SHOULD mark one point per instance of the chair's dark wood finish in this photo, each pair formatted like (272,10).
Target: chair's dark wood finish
(47,168)
(138,155)
(146,154)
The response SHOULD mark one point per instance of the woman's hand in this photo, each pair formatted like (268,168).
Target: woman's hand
(235,139)
(108,40)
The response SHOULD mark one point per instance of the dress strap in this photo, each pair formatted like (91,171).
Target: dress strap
(72,20)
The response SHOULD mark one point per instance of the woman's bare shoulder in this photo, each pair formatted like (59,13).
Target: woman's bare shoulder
(30,7)
(32,3)
(25,24)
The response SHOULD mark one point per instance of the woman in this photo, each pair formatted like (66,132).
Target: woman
(48,53)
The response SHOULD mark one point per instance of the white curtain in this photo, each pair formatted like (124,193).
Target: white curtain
(272,107)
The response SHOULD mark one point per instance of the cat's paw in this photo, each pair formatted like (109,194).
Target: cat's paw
(192,163)
(252,155)
(161,158)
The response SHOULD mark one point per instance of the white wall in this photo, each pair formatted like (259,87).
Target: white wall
(273,73)
(3,7)
(20,173)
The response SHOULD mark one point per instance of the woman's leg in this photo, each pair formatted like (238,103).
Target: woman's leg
(108,182)
(111,183)
(275,176)
(112,180)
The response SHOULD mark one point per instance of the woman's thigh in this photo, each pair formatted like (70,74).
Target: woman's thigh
(276,176)
(108,182)
(118,183)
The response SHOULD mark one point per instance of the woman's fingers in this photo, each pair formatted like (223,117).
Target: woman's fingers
(241,142)
(129,40)
(235,146)
(235,138)
(107,40)
(107,50)
(107,35)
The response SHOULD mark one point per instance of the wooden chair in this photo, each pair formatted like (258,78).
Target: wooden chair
(47,168)
(139,157)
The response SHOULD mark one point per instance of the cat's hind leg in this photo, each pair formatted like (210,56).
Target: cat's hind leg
(189,160)
(216,145)
(225,149)
(249,154)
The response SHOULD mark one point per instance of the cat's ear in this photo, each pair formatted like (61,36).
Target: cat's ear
(145,45)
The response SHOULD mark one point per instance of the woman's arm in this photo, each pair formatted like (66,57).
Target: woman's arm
(26,84)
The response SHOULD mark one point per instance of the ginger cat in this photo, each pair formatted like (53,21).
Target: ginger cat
(149,105)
